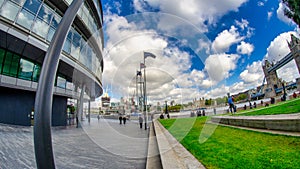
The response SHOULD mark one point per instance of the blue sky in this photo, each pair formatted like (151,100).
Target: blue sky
(203,48)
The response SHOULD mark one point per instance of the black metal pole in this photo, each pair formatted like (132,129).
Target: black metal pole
(44,94)
(145,95)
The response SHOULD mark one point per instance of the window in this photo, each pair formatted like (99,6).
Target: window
(75,48)
(67,46)
(32,5)
(2,54)
(50,34)
(45,14)
(11,64)
(41,28)
(1,2)
(25,18)
(9,10)
(36,73)
(26,69)
(20,2)
(55,21)
(61,82)
(70,86)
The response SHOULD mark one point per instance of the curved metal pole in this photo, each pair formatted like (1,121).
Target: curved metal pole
(44,95)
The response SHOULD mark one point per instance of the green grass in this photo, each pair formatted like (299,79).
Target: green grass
(287,107)
(236,148)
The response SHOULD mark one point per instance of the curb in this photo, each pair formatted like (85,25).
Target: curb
(291,124)
(172,154)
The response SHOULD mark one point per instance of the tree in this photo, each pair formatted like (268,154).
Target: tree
(293,10)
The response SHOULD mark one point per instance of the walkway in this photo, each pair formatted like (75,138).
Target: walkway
(103,144)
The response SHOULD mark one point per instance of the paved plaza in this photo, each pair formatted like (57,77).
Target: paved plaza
(100,144)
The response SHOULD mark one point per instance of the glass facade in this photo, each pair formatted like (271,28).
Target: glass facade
(38,18)
(14,65)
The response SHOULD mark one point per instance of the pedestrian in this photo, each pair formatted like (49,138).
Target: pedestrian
(203,112)
(124,120)
(294,95)
(231,104)
(120,119)
(198,113)
(168,115)
(161,116)
(250,105)
(141,121)
(245,107)
(254,105)
(98,117)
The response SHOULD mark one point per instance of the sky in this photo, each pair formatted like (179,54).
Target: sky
(203,48)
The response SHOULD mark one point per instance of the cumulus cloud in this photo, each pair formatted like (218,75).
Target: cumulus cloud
(168,75)
(198,11)
(280,14)
(219,66)
(225,39)
(253,74)
(245,48)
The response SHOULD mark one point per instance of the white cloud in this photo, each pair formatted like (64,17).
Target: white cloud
(225,39)
(281,16)
(195,12)
(219,66)
(270,14)
(253,74)
(260,3)
(245,48)
(242,24)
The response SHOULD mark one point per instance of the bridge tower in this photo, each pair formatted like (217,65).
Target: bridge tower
(294,46)
(272,80)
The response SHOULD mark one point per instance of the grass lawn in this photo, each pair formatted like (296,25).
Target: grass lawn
(287,107)
(236,148)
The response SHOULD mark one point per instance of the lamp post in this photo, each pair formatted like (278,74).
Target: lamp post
(146,54)
(44,94)
(167,113)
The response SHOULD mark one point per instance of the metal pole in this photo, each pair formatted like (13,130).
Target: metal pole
(145,96)
(44,94)
(80,109)
(89,111)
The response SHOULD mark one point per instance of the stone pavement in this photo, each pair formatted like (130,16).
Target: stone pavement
(103,144)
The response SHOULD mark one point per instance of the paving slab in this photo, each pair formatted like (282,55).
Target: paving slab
(100,144)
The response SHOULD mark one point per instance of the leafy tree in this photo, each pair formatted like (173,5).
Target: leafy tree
(293,10)
(208,102)
(241,97)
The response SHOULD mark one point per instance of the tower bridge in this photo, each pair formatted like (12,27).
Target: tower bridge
(274,84)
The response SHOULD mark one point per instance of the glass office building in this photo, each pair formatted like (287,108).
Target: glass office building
(26,30)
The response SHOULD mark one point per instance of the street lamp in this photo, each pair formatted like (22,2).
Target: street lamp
(146,54)
(167,113)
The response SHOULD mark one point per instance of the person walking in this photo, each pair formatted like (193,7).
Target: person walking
(231,104)
(124,120)
(141,121)
(120,119)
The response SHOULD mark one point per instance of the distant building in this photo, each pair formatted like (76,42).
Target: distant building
(105,101)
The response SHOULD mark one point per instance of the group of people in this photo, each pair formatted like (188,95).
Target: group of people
(199,113)
(122,118)
(232,107)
